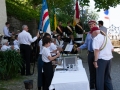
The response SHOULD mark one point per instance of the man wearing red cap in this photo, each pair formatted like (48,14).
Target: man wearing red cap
(103,48)
(88,45)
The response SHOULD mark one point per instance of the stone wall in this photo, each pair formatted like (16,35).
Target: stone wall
(3,17)
(16,24)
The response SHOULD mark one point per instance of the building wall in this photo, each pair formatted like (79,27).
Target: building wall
(3,16)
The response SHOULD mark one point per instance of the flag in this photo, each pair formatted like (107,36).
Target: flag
(76,15)
(44,24)
(54,19)
(106,12)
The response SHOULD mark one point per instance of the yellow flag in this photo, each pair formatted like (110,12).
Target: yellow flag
(55,22)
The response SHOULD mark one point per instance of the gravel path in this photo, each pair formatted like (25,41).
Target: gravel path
(19,85)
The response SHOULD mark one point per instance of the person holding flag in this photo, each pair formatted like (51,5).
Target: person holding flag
(69,29)
(60,29)
(76,21)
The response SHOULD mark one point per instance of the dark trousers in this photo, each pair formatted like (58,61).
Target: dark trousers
(92,70)
(48,74)
(103,78)
(8,38)
(40,74)
(25,51)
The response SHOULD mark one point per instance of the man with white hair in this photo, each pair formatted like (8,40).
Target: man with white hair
(103,48)
(5,45)
(88,45)
(25,40)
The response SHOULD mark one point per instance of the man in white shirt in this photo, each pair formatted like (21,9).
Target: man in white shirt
(7,34)
(103,48)
(104,29)
(25,40)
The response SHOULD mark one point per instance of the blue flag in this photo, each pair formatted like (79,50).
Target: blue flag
(44,24)
(106,12)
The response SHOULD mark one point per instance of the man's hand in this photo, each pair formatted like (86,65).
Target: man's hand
(95,64)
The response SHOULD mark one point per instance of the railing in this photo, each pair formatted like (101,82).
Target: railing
(114,35)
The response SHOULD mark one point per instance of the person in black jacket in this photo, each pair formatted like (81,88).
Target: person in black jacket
(78,28)
(69,29)
(60,29)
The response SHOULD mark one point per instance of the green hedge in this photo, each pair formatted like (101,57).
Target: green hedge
(10,64)
(20,11)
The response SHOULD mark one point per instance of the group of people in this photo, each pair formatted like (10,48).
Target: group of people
(69,30)
(8,42)
(99,53)
(99,56)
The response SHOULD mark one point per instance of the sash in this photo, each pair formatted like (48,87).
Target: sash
(79,26)
(104,43)
(59,29)
(69,29)
(102,33)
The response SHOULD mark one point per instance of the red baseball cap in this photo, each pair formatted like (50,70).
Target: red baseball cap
(91,21)
(94,29)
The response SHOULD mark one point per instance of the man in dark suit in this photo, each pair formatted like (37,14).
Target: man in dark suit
(69,29)
(60,29)
(78,28)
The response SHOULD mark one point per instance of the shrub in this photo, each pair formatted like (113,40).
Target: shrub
(10,64)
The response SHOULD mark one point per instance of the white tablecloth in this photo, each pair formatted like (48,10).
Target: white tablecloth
(70,80)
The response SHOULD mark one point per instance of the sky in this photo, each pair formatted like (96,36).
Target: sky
(114,15)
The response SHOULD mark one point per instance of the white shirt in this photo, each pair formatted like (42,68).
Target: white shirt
(6,32)
(71,43)
(52,48)
(16,47)
(16,42)
(25,38)
(4,48)
(41,46)
(59,43)
(106,52)
(45,54)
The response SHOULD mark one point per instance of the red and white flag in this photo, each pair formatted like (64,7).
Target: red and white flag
(76,15)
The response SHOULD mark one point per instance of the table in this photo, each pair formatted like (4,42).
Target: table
(70,80)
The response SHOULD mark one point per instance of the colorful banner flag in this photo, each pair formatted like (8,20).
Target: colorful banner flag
(55,20)
(106,12)
(76,15)
(44,19)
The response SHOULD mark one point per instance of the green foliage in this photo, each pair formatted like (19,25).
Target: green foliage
(106,4)
(10,64)
(74,34)
(20,11)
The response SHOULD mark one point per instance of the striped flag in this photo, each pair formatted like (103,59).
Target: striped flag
(76,15)
(55,20)
(44,19)
(106,12)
